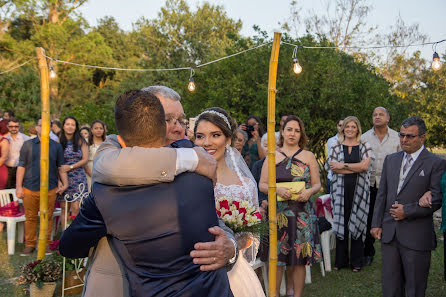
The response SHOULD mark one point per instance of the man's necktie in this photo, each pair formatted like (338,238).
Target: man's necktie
(408,162)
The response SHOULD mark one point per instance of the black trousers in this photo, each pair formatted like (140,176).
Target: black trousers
(356,245)
(369,249)
(12,172)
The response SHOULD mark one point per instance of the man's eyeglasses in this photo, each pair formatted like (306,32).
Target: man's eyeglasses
(13,126)
(174,121)
(411,136)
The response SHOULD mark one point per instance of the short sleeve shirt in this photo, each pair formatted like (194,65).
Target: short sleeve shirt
(389,145)
(30,160)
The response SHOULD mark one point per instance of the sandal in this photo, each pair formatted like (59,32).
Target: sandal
(356,269)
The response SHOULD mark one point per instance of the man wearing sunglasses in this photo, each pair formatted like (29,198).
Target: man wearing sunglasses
(16,140)
(406,229)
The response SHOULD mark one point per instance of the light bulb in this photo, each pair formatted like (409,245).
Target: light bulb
(296,67)
(191,85)
(52,72)
(436,64)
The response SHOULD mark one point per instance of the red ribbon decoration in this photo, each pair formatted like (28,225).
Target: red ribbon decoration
(321,206)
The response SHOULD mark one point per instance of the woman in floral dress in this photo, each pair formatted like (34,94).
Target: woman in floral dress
(298,236)
(76,157)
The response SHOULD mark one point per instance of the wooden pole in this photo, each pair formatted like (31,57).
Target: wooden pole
(44,152)
(271,125)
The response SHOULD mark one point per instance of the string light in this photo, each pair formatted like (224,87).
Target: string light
(296,66)
(191,85)
(436,64)
(53,73)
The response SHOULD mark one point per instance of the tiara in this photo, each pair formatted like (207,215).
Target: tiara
(217,114)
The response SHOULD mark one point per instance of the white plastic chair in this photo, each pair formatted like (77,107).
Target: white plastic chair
(259,264)
(328,239)
(11,222)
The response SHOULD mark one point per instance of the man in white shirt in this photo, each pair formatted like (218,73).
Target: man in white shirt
(331,142)
(384,141)
(16,140)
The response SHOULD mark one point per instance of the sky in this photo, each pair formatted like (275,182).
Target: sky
(429,14)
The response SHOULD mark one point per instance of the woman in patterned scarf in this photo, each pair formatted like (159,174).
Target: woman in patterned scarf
(350,184)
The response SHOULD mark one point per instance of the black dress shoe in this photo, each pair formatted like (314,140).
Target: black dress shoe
(368,260)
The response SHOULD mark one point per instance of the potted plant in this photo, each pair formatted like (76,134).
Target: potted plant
(74,271)
(41,275)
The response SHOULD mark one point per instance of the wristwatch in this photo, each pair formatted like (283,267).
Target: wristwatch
(71,167)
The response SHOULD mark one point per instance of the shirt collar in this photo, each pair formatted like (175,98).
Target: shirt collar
(387,131)
(415,154)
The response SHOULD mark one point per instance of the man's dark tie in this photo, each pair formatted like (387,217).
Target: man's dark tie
(408,162)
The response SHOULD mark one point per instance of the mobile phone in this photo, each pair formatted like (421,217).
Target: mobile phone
(192,123)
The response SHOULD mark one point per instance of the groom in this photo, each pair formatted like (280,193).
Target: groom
(166,219)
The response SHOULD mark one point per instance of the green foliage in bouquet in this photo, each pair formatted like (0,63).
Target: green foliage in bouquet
(39,272)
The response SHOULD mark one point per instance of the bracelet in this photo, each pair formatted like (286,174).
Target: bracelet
(232,260)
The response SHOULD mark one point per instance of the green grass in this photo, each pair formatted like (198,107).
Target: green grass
(366,283)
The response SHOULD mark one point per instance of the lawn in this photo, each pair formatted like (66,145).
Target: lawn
(334,284)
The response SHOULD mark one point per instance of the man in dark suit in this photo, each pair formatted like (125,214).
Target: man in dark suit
(406,229)
(153,228)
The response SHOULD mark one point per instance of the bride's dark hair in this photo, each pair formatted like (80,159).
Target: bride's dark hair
(218,121)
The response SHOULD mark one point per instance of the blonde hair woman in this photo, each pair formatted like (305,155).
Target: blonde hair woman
(350,187)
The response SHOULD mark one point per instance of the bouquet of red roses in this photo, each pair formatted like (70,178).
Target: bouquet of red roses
(240,215)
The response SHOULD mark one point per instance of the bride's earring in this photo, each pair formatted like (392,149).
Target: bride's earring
(227,148)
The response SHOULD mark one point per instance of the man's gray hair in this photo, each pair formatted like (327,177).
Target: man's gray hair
(414,120)
(163,91)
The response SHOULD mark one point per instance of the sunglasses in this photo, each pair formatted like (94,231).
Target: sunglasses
(411,136)
(13,127)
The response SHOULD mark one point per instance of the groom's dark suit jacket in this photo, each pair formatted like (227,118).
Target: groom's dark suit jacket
(416,231)
(153,230)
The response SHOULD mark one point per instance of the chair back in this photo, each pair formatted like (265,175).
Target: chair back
(5,196)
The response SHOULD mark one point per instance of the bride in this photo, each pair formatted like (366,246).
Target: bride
(214,130)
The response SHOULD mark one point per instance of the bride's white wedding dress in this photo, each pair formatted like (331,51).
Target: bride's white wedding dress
(242,278)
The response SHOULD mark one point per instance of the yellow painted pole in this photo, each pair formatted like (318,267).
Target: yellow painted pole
(44,152)
(271,125)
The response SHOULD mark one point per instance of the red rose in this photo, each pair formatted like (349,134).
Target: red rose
(224,204)
(219,213)
(236,203)
(258,215)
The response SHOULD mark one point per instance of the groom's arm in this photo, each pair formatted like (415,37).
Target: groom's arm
(86,230)
(114,165)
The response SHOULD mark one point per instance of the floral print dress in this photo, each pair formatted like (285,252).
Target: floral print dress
(297,230)
(77,178)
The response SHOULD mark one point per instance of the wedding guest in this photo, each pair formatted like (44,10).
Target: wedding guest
(76,156)
(56,127)
(16,140)
(350,186)
(384,141)
(97,136)
(85,133)
(28,185)
(298,235)
(254,129)
(4,122)
(331,142)
(241,137)
(4,152)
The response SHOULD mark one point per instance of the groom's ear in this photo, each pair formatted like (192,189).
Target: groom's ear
(121,141)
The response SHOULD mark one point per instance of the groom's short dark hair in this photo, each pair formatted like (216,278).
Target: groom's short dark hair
(139,118)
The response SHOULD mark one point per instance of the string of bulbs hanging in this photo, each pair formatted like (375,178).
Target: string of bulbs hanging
(297,68)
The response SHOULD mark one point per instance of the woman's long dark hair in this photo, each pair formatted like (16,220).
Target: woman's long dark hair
(77,138)
(90,138)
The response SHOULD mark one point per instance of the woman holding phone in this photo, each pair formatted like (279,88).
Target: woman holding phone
(298,236)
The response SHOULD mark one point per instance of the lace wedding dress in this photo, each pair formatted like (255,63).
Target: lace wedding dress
(242,278)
